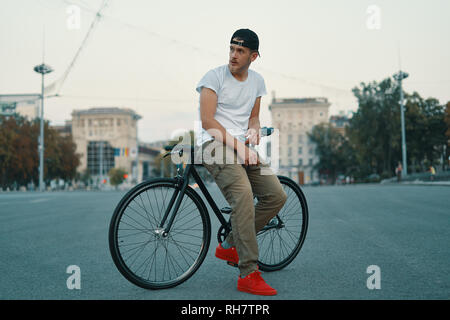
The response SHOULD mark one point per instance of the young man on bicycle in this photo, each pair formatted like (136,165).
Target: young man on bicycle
(230,98)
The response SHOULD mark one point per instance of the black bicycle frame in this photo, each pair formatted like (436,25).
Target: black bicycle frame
(182,182)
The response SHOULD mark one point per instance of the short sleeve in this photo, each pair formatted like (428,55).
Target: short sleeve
(261,87)
(209,80)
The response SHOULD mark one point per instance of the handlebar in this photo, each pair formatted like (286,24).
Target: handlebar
(264,131)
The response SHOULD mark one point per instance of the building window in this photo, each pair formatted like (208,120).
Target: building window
(289,138)
(300,162)
(300,150)
(100,156)
(118,122)
(290,162)
(300,138)
(289,151)
(310,162)
(311,151)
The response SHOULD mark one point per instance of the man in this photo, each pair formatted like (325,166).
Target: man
(230,98)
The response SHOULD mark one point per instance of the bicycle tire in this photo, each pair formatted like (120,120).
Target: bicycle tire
(271,259)
(185,258)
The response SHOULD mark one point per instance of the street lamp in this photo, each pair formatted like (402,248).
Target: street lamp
(42,69)
(399,77)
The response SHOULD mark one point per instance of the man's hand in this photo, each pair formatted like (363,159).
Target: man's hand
(248,156)
(252,136)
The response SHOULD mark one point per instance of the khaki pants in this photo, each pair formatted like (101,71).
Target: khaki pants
(239,183)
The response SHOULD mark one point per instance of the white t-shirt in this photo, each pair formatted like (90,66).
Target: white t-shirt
(235,100)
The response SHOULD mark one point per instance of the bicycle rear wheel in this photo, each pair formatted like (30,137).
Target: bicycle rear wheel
(281,239)
(140,249)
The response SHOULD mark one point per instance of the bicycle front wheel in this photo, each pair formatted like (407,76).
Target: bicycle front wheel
(281,239)
(141,250)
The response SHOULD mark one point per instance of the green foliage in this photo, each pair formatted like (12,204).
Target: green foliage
(19,158)
(116,176)
(334,151)
(375,130)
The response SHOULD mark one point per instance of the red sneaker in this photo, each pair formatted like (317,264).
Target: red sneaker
(229,255)
(255,284)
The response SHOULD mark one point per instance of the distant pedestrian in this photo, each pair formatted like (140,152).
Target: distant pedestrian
(398,171)
(432,173)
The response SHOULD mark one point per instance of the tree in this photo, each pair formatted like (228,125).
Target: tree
(334,151)
(375,132)
(18,152)
(447,133)
(425,131)
(19,158)
(116,176)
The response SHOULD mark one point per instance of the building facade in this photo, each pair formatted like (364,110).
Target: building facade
(294,119)
(26,105)
(107,138)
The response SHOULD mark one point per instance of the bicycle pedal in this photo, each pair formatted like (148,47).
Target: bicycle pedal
(232,264)
(226,210)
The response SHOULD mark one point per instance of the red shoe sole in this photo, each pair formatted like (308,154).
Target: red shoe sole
(256,292)
(226,258)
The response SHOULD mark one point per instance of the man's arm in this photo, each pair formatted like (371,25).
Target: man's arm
(254,126)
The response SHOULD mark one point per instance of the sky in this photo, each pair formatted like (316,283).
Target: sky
(149,55)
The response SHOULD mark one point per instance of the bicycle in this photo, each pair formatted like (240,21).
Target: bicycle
(169,216)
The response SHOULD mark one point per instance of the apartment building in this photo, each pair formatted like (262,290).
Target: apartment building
(294,119)
(107,138)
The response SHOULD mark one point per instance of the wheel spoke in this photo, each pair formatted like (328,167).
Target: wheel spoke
(280,244)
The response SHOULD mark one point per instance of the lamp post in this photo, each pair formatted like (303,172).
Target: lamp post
(42,69)
(399,77)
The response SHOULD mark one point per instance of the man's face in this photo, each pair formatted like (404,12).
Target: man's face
(240,58)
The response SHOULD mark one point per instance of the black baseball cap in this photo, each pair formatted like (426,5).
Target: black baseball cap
(246,38)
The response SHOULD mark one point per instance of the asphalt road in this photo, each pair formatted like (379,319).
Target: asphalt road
(404,230)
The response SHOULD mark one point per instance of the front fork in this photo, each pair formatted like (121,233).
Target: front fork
(177,197)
